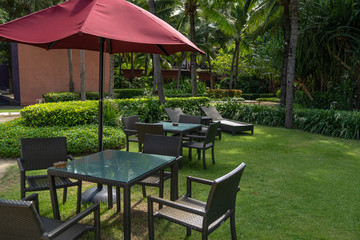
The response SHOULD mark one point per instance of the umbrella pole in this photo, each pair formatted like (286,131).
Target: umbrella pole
(100,194)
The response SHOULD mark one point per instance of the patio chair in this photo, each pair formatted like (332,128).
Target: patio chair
(130,129)
(161,145)
(147,128)
(197,120)
(20,220)
(227,124)
(174,114)
(203,143)
(200,216)
(40,154)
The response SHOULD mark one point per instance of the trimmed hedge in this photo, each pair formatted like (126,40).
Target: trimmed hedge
(220,93)
(80,139)
(128,93)
(254,96)
(343,124)
(82,113)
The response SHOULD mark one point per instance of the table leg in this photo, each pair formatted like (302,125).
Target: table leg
(127,207)
(174,194)
(53,195)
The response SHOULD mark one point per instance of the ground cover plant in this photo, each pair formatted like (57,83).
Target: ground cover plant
(296,185)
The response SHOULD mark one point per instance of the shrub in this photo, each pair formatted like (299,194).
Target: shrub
(220,93)
(80,139)
(344,124)
(273,99)
(128,93)
(61,96)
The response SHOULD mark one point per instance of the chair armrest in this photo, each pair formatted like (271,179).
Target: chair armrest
(20,165)
(71,222)
(190,179)
(70,157)
(175,205)
(34,198)
(130,132)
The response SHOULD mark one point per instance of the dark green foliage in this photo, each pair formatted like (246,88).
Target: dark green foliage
(80,139)
(220,93)
(128,93)
(69,96)
(326,100)
(344,124)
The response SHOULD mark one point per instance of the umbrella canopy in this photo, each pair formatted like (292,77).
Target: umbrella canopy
(77,24)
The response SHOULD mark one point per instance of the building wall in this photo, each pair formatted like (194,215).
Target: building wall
(42,71)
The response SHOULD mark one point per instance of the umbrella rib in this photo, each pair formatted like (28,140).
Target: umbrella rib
(162,49)
(51,45)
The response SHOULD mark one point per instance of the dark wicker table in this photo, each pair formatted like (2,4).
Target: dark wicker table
(115,168)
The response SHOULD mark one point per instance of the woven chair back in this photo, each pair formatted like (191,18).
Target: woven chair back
(222,195)
(129,122)
(19,220)
(148,128)
(41,153)
(162,145)
(174,113)
(190,119)
(212,132)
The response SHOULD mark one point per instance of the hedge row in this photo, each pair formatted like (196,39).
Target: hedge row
(254,96)
(80,139)
(220,93)
(344,124)
(82,113)
(75,96)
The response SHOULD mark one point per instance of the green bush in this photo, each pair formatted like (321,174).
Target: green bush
(61,96)
(128,93)
(220,93)
(273,99)
(80,139)
(344,124)
(251,96)
(82,113)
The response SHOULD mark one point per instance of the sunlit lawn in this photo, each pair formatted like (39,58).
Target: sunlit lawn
(296,186)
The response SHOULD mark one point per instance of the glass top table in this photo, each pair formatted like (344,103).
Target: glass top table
(115,168)
(181,128)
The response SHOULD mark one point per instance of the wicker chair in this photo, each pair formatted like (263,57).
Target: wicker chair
(174,114)
(148,128)
(20,220)
(130,129)
(204,217)
(42,153)
(162,145)
(203,143)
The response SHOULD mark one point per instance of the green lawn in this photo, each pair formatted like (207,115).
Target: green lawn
(296,185)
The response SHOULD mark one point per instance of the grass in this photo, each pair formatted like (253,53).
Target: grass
(296,185)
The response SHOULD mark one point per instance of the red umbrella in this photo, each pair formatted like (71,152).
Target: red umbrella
(88,24)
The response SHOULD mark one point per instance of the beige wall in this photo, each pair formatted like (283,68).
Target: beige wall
(42,71)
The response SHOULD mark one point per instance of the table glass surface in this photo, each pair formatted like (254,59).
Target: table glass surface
(182,127)
(115,165)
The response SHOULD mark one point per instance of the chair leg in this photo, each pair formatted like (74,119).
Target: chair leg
(199,153)
(204,236)
(150,220)
(190,154)
(118,204)
(204,162)
(212,154)
(78,200)
(143,191)
(232,226)
(64,195)
(127,143)
(188,231)
(110,197)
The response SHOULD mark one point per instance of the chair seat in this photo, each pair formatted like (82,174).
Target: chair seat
(41,182)
(185,218)
(155,179)
(72,233)
(133,139)
(198,145)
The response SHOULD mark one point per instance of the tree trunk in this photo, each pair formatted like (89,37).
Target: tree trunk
(82,75)
(287,24)
(178,78)
(232,70)
(131,67)
(146,65)
(289,121)
(111,76)
(193,56)
(210,72)
(156,63)
(71,82)
(236,66)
